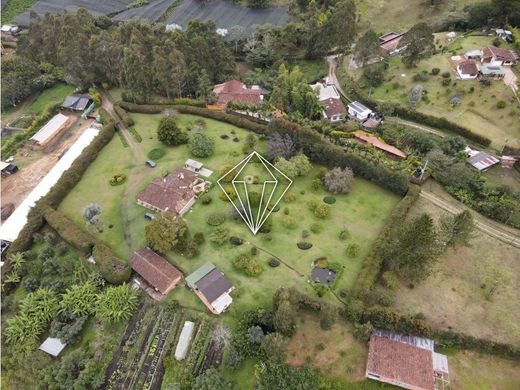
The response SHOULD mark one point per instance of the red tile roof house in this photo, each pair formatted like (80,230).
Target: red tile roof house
(390,43)
(155,270)
(236,91)
(497,56)
(171,193)
(390,150)
(407,362)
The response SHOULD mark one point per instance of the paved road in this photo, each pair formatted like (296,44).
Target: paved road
(480,222)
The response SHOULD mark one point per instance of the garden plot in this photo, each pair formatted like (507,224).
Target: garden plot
(226,14)
(57,6)
(150,13)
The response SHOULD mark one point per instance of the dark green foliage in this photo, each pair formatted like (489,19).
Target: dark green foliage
(123,115)
(212,380)
(236,240)
(156,154)
(274,346)
(284,376)
(198,238)
(452,145)
(273,262)
(69,231)
(248,265)
(220,236)
(362,332)
(304,245)
(200,145)
(206,199)
(216,219)
(67,328)
(419,44)
(329,199)
(367,47)
(169,132)
(112,268)
(284,319)
(374,75)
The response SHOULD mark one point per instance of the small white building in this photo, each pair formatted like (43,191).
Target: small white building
(52,346)
(184,340)
(358,111)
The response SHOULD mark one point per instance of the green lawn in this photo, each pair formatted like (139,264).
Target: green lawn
(312,69)
(14,8)
(52,95)
(362,212)
(477,110)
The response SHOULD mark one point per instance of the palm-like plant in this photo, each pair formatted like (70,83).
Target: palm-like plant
(79,299)
(17,260)
(41,305)
(22,329)
(116,303)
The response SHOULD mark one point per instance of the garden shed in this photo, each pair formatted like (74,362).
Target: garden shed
(50,130)
(184,340)
(53,346)
(76,102)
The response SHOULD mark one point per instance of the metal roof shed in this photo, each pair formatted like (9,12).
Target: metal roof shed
(52,346)
(184,340)
(193,278)
(51,129)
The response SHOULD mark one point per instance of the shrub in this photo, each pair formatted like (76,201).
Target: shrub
(435,71)
(322,211)
(216,219)
(316,228)
(446,75)
(230,191)
(236,240)
(385,298)
(352,250)
(117,180)
(169,132)
(329,199)
(198,238)
(446,82)
(200,145)
(254,251)
(156,154)
(338,181)
(344,235)
(288,222)
(206,199)
(501,104)
(305,233)
(123,115)
(390,280)
(304,245)
(248,265)
(191,250)
(286,210)
(219,236)
(289,197)
(273,262)
(320,289)
(267,237)
(362,332)
(224,136)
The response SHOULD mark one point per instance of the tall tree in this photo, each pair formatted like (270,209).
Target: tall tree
(458,229)
(169,68)
(418,43)
(166,232)
(367,47)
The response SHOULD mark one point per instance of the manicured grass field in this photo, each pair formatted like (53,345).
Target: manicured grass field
(52,95)
(477,110)
(362,212)
(311,69)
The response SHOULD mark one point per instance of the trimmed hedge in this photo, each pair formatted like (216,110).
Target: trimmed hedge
(123,115)
(112,268)
(373,262)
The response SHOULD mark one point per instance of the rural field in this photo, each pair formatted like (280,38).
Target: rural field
(478,108)
(459,301)
(362,212)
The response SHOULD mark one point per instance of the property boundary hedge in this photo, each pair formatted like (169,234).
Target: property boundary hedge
(59,191)
(373,262)
(416,116)
(123,115)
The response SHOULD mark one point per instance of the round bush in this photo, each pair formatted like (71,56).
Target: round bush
(254,251)
(275,209)
(236,139)
(216,219)
(236,240)
(316,228)
(329,199)
(156,154)
(224,136)
(435,71)
(273,262)
(198,238)
(446,74)
(501,104)
(304,245)
(206,199)
(117,180)
(344,235)
(322,211)
(267,237)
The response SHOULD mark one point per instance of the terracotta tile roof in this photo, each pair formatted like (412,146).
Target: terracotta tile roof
(370,139)
(400,364)
(499,53)
(172,192)
(236,91)
(468,67)
(155,270)
(333,107)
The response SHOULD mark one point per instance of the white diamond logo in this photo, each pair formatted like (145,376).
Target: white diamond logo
(254,187)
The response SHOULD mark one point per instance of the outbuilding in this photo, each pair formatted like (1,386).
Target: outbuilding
(51,130)
(357,110)
(53,346)
(482,161)
(183,344)
(77,102)
(7,169)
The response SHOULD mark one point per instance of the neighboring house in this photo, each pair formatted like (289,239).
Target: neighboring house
(406,361)
(7,169)
(52,346)
(467,70)
(238,92)
(480,160)
(212,287)
(491,72)
(496,56)
(333,108)
(390,43)
(358,111)
(473,55)
(173,192)
(389,150)
(155,270)
(76,102)
(506,35)
(50,130)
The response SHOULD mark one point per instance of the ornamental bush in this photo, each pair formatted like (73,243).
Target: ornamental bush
(206,199)
(329,199)
(236,240)
(117,180)
(200,145)
(273,262)
(230,191)
(322,211)
(316,228)
(219,236)
(304,245)
(216,219)
(156,154)
(288,222)
(248,265)
(352,250)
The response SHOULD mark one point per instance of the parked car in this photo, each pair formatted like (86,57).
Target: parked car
(149,216)
(151,163)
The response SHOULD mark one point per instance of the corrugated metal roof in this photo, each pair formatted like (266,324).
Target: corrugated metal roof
(359,108)
(50,129)
(194,277)
(440,363)
(412,340)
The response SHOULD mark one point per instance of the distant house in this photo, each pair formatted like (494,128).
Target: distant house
(173,192)
(389,150)
(7,169)
(467,70)
(50,130)
(481,160)
(238,92)
(333,108)
(52,346)
(76,102)
(506,35)
(496,56)
(358,111)
(491,72)
(155,270)
(212,287)
(406,361)
(390,43)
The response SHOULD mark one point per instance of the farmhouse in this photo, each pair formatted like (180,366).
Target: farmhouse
(389,150)
(157,272)
(467,70)
(406,361)
(491,72)
(389,43)
(76,102)
(174,192)
(496,56)
(50,130)
(237,92)
(212,287)
(333,108)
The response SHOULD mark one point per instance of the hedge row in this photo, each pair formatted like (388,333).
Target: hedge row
(59,191)
(387,319)
(415,116)
(323,152)
(113,269)
(18,140)
(373,262)
(123,115)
